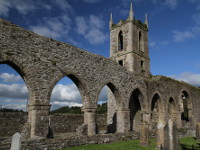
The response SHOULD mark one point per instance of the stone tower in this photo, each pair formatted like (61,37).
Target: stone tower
(129,44)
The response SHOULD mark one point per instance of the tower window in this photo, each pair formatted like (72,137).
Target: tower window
(142,64)
(141,48)
(120,62)
(120,41)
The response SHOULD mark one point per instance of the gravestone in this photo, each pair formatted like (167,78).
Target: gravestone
(16,142)
(198,131)
(170,136)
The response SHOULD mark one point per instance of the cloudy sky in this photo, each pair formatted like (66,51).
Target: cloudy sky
(174,38)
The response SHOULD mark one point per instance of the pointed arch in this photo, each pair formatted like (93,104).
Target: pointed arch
(77,81)
(17,93)
(114,98)
(185,113)
(120,41)
(135,109)
(172,107)
(15,67)
(155,99)
(113,89)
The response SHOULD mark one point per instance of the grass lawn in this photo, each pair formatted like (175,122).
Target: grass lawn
(186,143)
(189,143)
(125,145)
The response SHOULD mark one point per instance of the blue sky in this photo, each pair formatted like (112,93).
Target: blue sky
(174,37)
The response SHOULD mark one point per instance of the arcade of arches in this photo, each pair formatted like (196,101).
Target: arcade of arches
(141,105)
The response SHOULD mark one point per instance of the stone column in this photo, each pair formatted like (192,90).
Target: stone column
(90,120)
(144,130)
(39,120)
(123,121)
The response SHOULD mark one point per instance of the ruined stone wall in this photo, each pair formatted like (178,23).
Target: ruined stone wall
(42,62)
(168,88)
(12,122)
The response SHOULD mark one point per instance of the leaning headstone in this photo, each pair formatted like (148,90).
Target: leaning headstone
(198,131)
(170,136)
(16,142)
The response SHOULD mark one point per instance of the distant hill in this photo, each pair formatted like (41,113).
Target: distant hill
(102,109)
(10,110)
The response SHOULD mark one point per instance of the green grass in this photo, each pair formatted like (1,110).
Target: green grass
(186,143)
(189,143)
(125,145)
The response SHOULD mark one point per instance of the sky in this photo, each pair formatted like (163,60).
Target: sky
(174,38)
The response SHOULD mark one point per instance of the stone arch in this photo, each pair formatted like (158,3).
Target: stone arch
(172,108)
(186,107)
(113,88)
(113,103)
(120,40)
(77,81)
(19,68)
(135,109)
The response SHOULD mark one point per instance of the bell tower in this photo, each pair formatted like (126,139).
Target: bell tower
(129,44)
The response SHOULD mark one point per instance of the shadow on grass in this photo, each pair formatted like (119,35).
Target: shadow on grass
(189,147)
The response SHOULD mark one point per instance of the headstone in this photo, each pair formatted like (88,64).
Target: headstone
(170,136)
(16,142)
(198,131)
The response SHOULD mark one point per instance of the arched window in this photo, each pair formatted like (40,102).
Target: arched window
(141,48)
(120,41)
(185,113)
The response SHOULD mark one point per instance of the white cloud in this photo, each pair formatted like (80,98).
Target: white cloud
(82,26)
(182,36)
(189,77)
(4,7)
(68,93)
(10,77)
(196,18)
(95,36)
(104,94)
(14,106)
(58,104)
(91,1)
(15,91)
(53,27)
(91,28)
(21,6)
(158,44)
(171,3)
(62,4)
(26,6)
(152,44)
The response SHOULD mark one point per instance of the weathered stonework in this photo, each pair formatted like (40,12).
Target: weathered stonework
(138,101)
(12,122)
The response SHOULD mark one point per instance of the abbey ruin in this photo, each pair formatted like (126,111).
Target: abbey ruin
(138,102)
